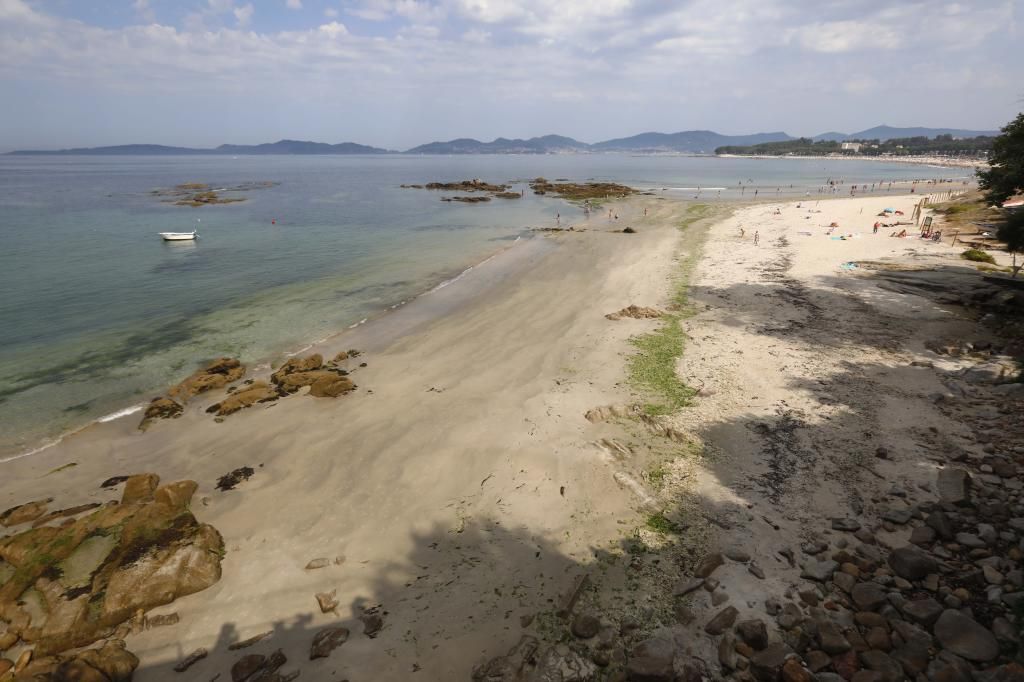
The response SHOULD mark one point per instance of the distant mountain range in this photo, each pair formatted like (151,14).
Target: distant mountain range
(279,147)
(884,132)
(689,142)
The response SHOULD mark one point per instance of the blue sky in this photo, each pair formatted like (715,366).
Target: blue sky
(396,73)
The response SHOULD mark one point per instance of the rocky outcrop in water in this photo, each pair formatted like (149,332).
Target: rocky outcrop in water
(580,191)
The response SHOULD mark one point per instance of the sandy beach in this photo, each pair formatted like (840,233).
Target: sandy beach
(913,160)
(493,456)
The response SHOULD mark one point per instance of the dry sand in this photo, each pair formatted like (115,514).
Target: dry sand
(460,488)
(459,483)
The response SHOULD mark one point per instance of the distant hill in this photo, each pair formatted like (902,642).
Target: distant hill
(299,147)
(689,141)
(884,132)
(830,137)
(280,147)
(548,144)
(693,141)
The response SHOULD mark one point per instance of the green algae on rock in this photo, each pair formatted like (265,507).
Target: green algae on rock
(68,586)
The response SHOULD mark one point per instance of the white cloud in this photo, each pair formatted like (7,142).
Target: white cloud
(243,14)
(612,60)
(293,4)
(333,29)
(476,35)
(847,36)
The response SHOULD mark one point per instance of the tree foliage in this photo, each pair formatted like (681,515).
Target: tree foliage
(897,146)
(1011,233)
(1005,175)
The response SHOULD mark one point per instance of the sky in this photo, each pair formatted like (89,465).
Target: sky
(397,73)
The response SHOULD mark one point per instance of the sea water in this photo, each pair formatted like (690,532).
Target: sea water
(98,314)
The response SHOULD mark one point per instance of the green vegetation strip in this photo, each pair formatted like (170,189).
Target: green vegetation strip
(653,368)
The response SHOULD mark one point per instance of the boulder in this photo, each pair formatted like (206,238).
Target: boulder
(880,662)
(722,621)
(97,571)
(868,596)
(910,563)
(965,637)
(291,383)
(923,611)
(217,374)
(708,565)
(329,639)
(299,365)
(653,660)
(256,392)
(160,408)
(331,386)
(139,488)
(954,486)
(765,665)
(754,633)
(585,626)
(23,513)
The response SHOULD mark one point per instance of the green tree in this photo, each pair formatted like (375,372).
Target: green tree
(1005,174)
(1011,233)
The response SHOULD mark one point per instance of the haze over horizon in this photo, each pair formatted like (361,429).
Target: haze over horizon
(398,73)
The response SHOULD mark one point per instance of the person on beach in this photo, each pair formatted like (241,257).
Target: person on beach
(757,237)
(742,233)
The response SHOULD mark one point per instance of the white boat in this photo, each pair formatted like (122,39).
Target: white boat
(179,236)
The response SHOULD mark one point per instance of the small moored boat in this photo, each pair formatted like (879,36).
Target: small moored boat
(179,236)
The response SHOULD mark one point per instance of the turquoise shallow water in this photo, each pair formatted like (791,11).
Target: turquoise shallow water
(98,314)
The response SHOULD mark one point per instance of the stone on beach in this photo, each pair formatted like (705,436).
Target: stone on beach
(965,637)
(635,312)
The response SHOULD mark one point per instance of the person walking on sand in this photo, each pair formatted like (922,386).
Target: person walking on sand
(742,233)
(757,237)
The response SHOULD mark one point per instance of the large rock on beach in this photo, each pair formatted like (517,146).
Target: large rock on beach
(217,374)
(911,563)
(160,408)
(23,513)
(256,392)
(75,583)
(965,637)
(296,365)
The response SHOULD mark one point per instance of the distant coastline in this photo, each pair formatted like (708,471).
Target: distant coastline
(703,142)
(914,160)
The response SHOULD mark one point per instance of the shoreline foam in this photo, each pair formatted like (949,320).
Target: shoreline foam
(263,364)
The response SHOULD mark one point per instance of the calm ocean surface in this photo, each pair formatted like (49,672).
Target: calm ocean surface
(98,314)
